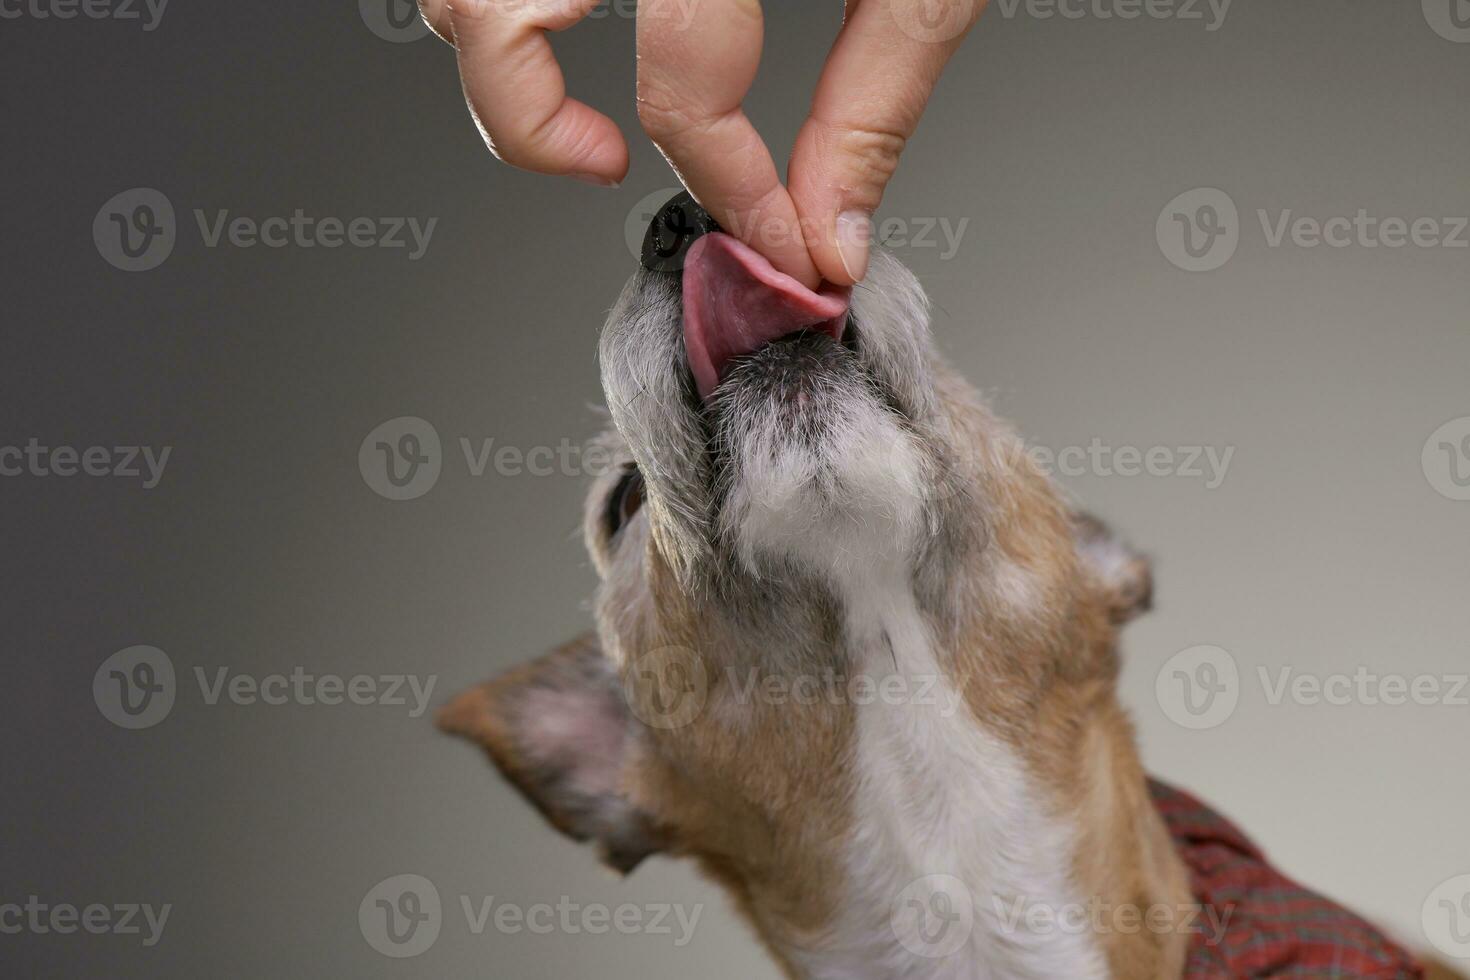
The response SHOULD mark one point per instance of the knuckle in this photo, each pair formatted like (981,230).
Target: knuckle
(545,144)
(527,149)
(871,154)
(471,11)
(440,18)
(660,115)
(510,153)
(668,117)
(558,139)
(469,14)
(511,148)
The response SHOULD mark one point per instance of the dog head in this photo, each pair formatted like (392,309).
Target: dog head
(806,504)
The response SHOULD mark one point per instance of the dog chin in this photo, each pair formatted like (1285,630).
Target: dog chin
(813,469)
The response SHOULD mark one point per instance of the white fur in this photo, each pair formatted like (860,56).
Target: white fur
(1016,589)
(835,512)
(1111,560)
(937,794)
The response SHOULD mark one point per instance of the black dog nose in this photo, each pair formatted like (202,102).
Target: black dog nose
(679,224)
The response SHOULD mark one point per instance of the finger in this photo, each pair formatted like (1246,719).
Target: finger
(436,15)
(696,61)
(518,96)
(873,89)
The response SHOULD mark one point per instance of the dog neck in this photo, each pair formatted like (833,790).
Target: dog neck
(950,831)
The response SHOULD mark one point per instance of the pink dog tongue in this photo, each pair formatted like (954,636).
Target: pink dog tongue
(736,302)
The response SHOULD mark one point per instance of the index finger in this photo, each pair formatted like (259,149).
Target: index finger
(696,61)
(872,92)
(516,91)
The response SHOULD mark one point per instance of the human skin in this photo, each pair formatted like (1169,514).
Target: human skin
(696,61)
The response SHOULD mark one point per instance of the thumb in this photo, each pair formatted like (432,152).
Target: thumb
(874,87)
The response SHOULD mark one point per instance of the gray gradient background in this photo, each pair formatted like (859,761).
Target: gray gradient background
(1324,549)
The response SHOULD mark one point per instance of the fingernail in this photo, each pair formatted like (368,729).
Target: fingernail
(854,232)
(595,180)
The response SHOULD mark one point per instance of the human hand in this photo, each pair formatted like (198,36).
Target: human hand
(695,65)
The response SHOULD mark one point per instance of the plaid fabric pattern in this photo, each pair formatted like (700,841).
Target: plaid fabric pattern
(1276,928)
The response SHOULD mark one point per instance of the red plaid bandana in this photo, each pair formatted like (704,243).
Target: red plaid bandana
(1276,928)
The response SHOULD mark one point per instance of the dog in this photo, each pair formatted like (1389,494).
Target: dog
(854,652)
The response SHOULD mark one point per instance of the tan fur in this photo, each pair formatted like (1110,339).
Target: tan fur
(762,793)
(744,789)
(1049,688)
(759,793)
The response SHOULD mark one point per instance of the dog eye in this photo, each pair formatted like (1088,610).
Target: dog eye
(624,501)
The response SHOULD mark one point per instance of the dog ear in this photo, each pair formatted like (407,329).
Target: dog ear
(1124,576)
(559,730)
